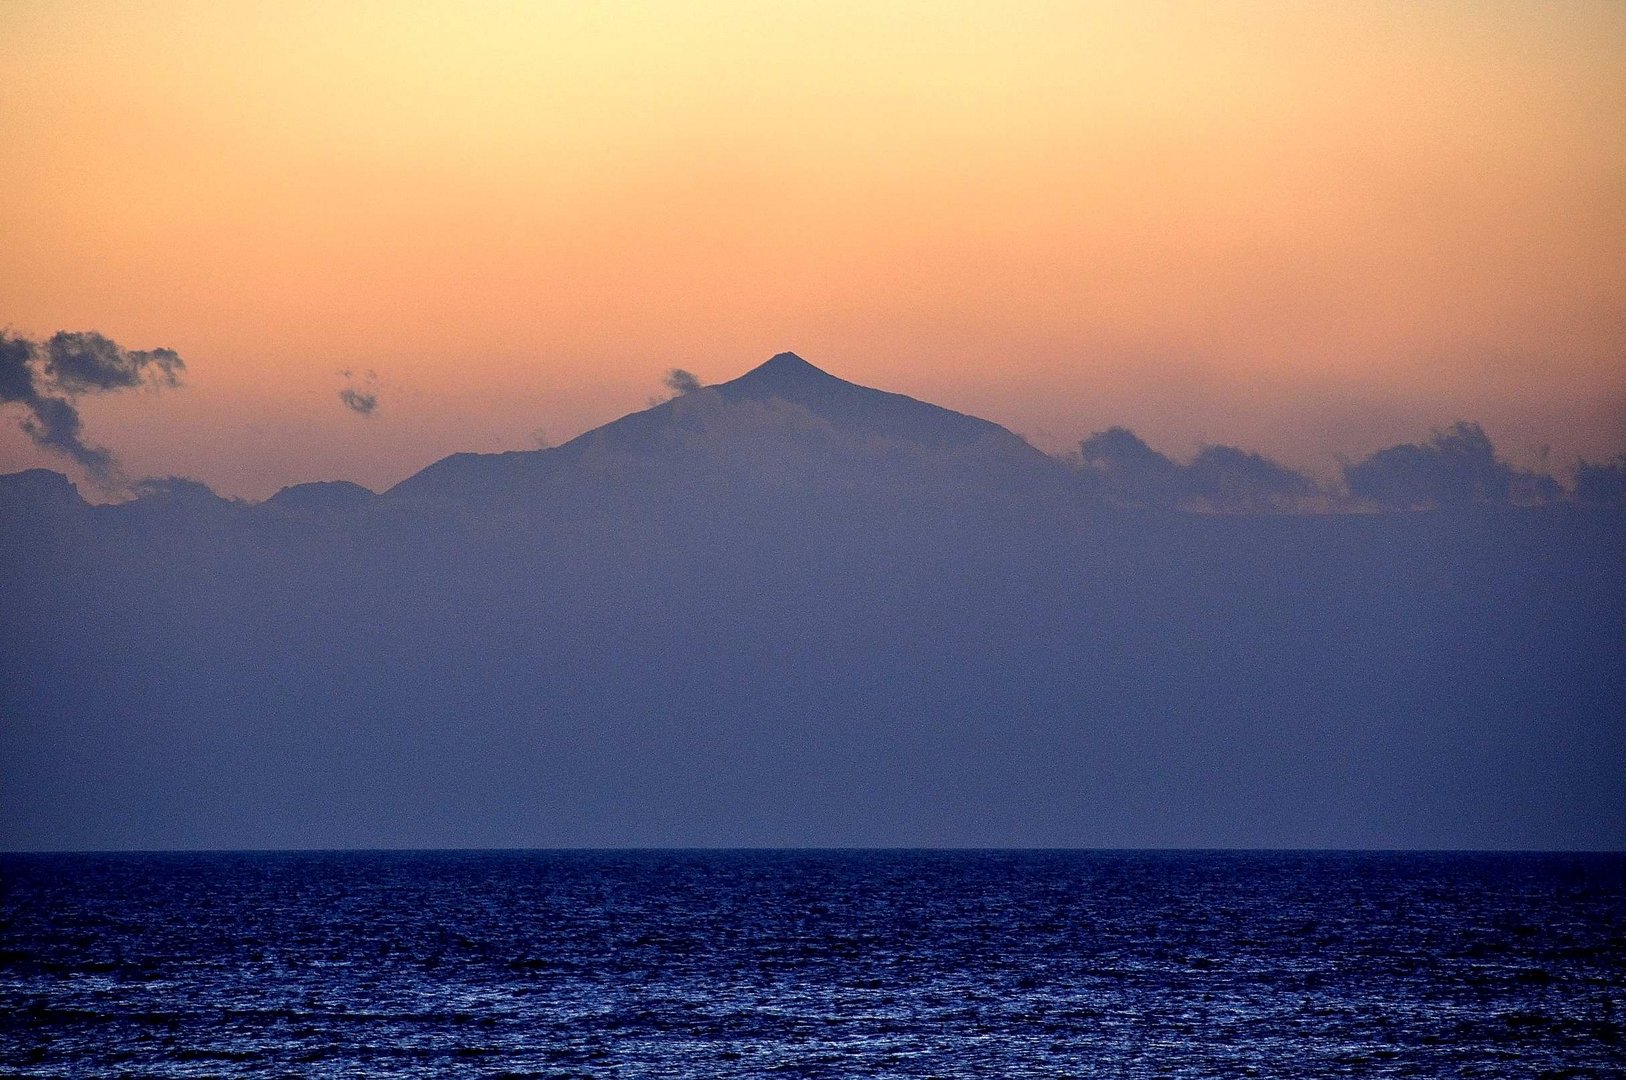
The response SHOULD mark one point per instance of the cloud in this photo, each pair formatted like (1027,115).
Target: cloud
(88,363)
(681,382)
(178,491)
(1228,478)
(1534,489)
(46,380)
(1456,467)
(1604,484)
(54,424)
(1125,468)
(360,396)
(359,401)
(16,374)
(1121,466)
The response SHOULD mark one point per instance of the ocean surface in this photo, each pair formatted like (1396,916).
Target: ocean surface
(813,964)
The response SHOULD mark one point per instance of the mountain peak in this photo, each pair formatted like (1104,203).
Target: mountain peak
(785,368)
(785,361)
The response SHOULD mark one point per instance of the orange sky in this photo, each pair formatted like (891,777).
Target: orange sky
(1309,229)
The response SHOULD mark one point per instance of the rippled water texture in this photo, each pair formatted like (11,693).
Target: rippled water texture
(996,964)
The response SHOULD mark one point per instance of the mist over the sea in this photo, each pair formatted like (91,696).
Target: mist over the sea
(791,611)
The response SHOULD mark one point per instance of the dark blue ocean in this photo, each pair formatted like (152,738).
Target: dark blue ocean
(815,964)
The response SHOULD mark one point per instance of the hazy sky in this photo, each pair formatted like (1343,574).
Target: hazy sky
(1310,229)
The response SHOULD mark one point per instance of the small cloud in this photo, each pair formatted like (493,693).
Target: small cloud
(359,401)
(540,440)
(360,395)
(680,382)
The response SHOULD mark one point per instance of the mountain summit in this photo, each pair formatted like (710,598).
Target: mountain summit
(783,370)
(787,377)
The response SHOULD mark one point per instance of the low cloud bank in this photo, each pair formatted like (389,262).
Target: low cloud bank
(1121,466)
(1455,467)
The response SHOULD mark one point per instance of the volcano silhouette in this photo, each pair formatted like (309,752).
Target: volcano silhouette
(801,392)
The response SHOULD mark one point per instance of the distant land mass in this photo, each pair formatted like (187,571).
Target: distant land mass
(788,610)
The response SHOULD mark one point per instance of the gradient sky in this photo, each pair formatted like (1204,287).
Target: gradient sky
(1309,229)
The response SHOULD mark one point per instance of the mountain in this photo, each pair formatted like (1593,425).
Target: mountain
(742,416)
(787,610)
